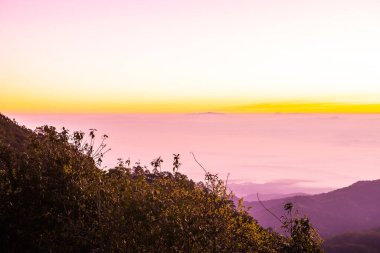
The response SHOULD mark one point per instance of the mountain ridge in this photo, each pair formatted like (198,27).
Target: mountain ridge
(349,209)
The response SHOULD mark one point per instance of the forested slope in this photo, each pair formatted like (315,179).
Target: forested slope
(56,198)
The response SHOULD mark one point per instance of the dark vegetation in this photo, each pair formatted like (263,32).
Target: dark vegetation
(55,198)
(350,209)
(359,242)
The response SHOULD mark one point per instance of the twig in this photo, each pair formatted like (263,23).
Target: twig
(195,159)
(269,211)
(225,190)
(228,175)
(100,147)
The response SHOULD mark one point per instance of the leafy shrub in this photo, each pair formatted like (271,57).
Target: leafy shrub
(55,198)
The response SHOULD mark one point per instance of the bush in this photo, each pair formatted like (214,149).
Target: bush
(55,198)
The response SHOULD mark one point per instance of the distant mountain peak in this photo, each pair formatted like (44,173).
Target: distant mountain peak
(206,113)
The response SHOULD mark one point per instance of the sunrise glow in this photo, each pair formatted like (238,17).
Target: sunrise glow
(189,56)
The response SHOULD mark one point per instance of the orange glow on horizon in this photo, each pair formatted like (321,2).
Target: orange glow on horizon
(184,106)
(189,56)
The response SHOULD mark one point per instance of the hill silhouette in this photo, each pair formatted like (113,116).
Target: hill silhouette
(12,134)
(359,242)
(253,197)
(349,209)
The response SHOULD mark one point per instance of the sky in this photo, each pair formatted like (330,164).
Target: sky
(145,56)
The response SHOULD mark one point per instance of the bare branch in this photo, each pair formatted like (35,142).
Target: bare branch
(269,211)
(228,175)
(195,159)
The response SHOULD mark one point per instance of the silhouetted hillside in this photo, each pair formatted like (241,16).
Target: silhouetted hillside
(253,197)
(360,242)
(349,209)
(55,198)
(13,135)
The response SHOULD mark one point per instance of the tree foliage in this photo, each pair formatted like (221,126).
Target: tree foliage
(55,198)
